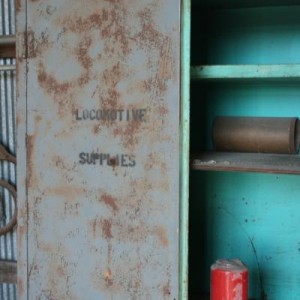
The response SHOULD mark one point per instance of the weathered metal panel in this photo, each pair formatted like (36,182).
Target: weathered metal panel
(99,124)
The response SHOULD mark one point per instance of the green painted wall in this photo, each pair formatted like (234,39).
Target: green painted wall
(254,217)
(251,216)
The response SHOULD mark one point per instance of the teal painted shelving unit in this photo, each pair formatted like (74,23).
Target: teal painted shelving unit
(247,72)
(245,61)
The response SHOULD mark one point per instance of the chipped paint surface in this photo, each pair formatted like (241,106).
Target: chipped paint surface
(102,150)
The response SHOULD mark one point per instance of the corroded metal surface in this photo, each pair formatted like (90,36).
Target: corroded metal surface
(255,134)
(99,123)
(7,46)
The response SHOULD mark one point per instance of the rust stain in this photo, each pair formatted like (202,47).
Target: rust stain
(108,21)
(148,85)
(128,134)
(156,87)
(64,92)
(103,279)
(69,192)
(50,84)
(94,227)
(20,286)
(19,119)
(167,290)
(37,45)
(18,4)
(36,214)
(117,279)
(149,37)
(21,231)
(67,170)
(97,129)
(152,39)
(61,271)
(59,276)
(108,278)
(154,160)
(30,144)
(101,227)
(45,247)
(59,90)
(165,66)
(114,1)
(81,25)
(106,228)
(146,185)
(50,294)
(135,233)
(161,234)
(109,253)
(59,162)
(110,98)
(113,76)
(82,53)
(69,131)
(163,110)
(116,30)
(110,201)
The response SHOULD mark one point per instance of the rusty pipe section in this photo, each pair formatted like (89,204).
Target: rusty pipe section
(7,46)
(256,134)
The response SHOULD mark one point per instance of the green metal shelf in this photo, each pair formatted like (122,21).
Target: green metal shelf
(246,162)
(217,4)
(243,72)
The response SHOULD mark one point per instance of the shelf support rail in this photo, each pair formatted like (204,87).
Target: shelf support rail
(184,147)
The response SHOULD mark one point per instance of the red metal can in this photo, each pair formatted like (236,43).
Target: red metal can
(229,280)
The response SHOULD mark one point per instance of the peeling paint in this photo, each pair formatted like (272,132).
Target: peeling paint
(110,202)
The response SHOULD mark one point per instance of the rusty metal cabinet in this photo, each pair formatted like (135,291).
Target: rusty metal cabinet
(98,87)
(105,192)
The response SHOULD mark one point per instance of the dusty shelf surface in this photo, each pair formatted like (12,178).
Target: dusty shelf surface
(242,72)
(203,296)
(246,162)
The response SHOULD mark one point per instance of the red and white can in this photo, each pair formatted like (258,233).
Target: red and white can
(229,280)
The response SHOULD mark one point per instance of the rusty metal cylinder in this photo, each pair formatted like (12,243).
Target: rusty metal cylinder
(7,46)
(256,134)
(229,280)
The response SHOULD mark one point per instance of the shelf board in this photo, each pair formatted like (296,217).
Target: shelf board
(202,296)
(246,162)
(217,4)
(240,72)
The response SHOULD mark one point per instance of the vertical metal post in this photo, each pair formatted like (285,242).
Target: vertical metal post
(184,147)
